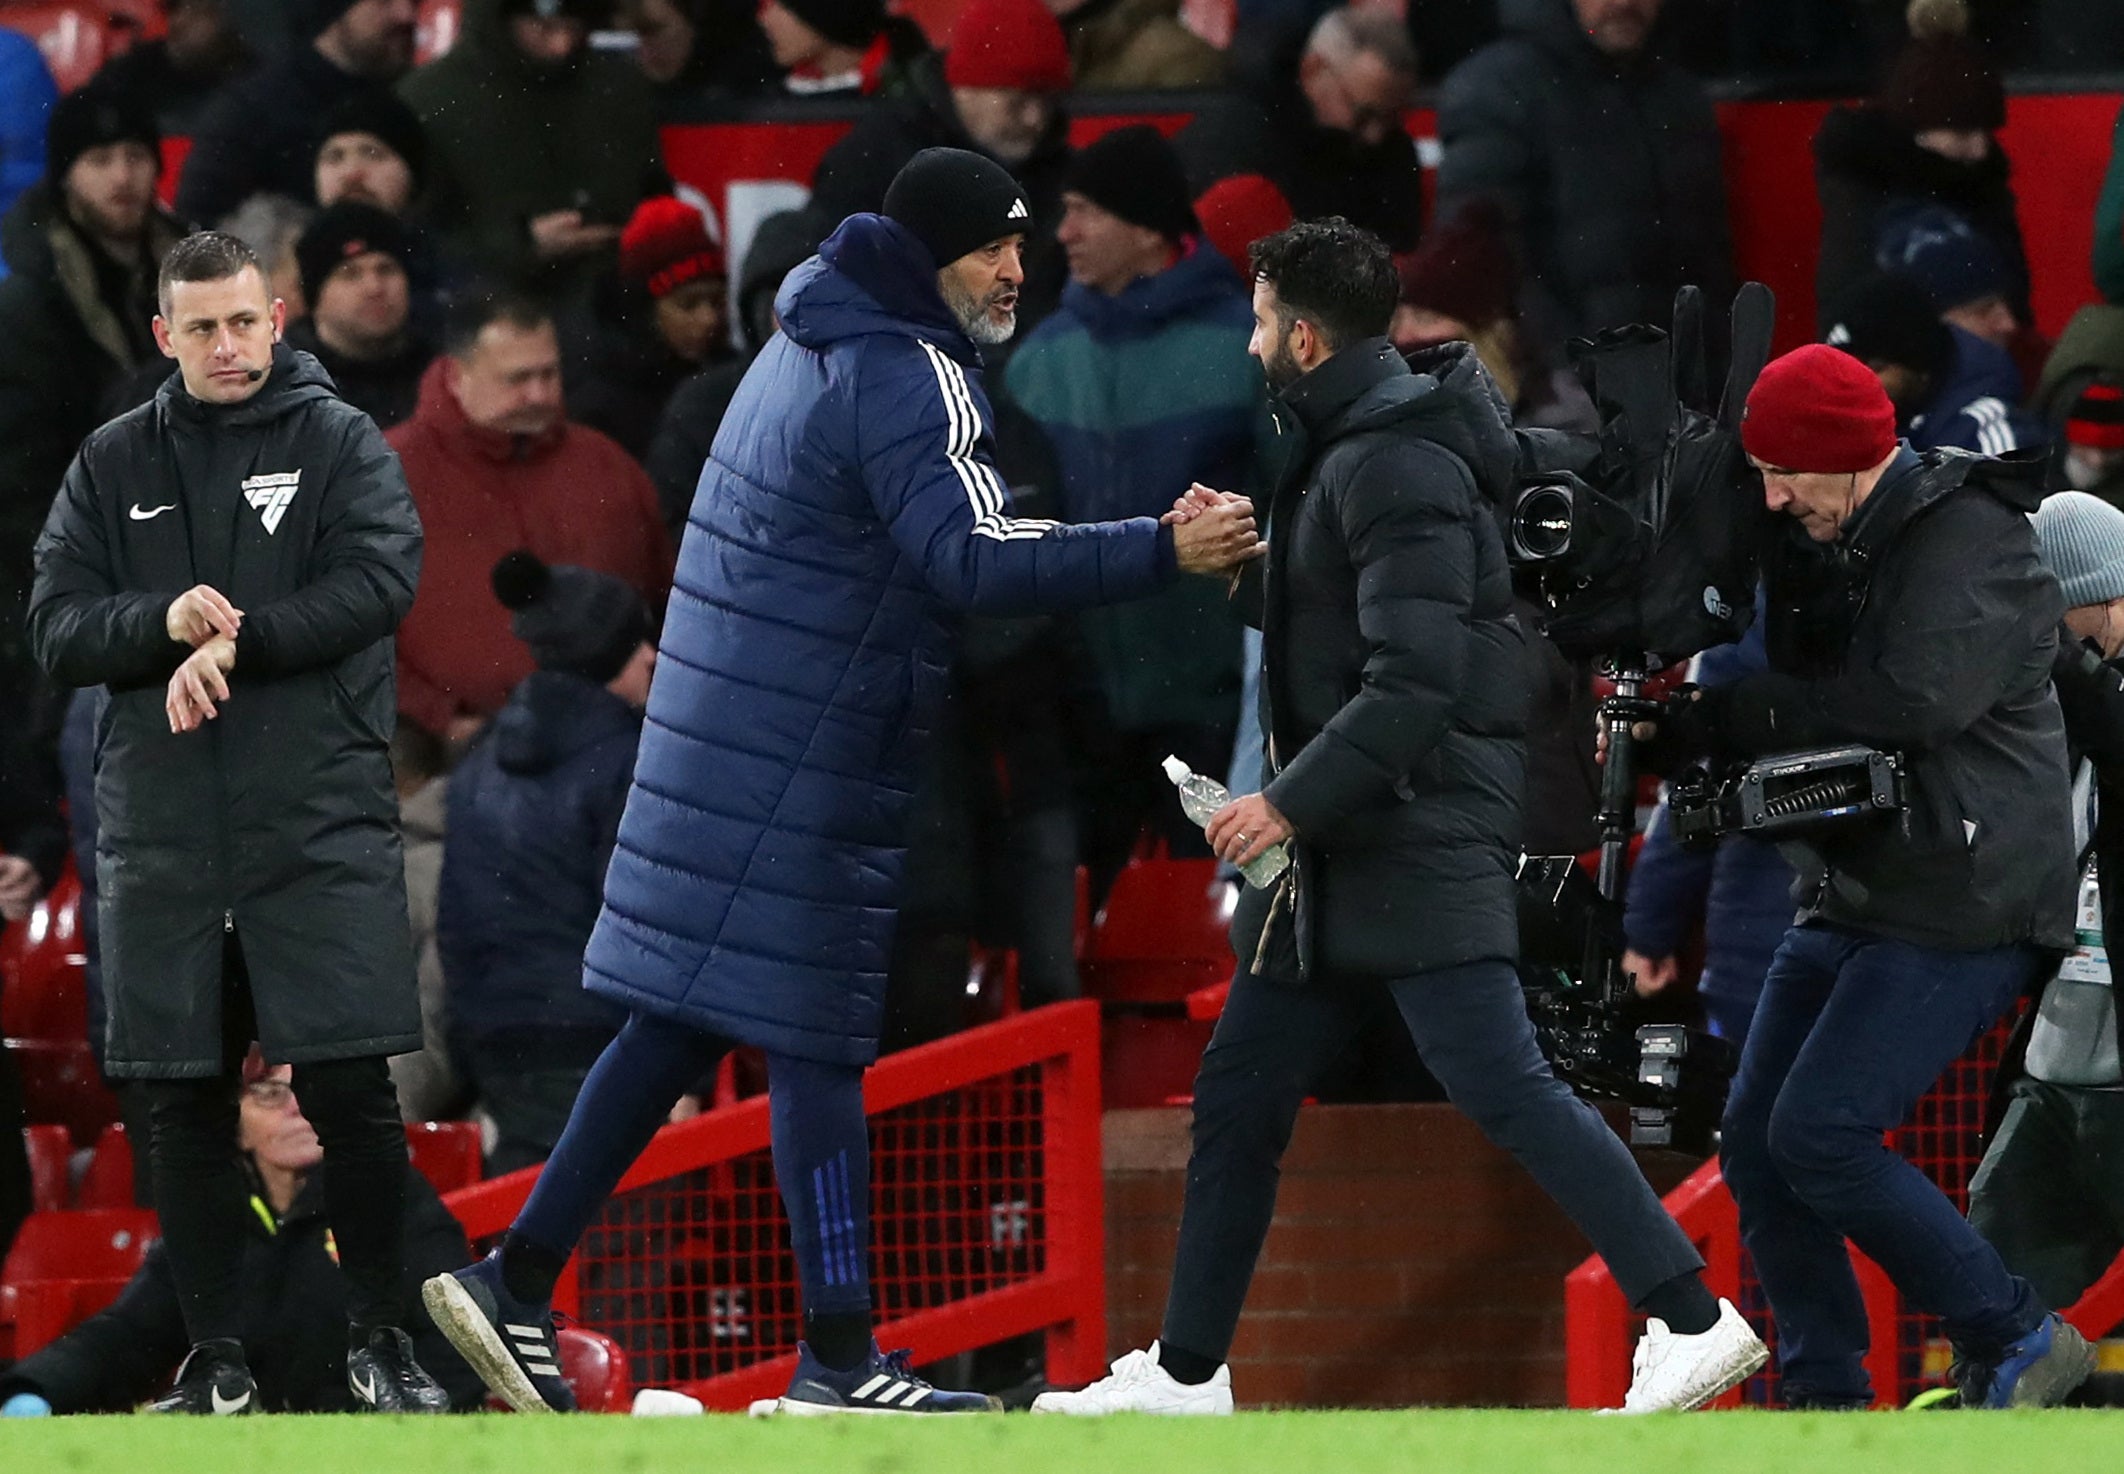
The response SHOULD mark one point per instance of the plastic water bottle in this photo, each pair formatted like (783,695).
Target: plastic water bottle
(1201,798)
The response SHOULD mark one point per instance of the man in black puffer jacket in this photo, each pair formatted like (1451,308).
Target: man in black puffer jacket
(1394,698)
(231,561)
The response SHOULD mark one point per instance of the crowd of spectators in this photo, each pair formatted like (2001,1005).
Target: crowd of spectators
(488,255)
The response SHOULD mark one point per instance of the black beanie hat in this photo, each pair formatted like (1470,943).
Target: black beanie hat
(90,118)
(843,22)
(577,620)
(1888,318)
(348,229)
(378,112)
(956,201)
(1133,173)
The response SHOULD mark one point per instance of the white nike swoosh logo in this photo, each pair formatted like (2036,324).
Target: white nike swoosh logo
(366,1391)
(226,1405)
(140,516)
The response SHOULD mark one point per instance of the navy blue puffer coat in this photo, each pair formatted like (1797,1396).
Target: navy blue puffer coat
(849,510)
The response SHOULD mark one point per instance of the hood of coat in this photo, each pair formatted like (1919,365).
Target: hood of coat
(296,382)
(551,716)
(871,277)
(440,412)
(1200,280)
(1447,396)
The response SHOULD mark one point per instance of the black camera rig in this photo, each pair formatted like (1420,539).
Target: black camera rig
(1672,1077)
(1792,796)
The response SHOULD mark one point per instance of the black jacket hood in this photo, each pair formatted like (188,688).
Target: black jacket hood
(297,379)
(1445,395)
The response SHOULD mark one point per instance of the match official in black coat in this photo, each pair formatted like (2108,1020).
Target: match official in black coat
(231,561)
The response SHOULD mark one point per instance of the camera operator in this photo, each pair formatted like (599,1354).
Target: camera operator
(1908,612)
(2048,1193)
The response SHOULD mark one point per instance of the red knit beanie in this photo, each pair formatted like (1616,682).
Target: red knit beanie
(1008,43)
(1819,409)
(666,245)
(1238,211)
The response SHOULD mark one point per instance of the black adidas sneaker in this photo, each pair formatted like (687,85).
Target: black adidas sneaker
(510,1344)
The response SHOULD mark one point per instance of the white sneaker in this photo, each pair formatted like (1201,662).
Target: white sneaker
(1138,1384)
(1671,1373)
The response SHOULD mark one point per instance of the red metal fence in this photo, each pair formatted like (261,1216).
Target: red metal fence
(987,1220)
(1909,1350)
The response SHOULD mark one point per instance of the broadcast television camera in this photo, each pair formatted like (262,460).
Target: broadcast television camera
(1642,544)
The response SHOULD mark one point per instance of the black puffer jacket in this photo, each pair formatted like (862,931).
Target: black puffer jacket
(1610,171)
(1947,659)
(294,1319)
(1394,675)
(275,824)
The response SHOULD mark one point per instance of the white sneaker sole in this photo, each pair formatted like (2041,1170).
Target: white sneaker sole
(457,1315)
(797,1408)
(1193,1407)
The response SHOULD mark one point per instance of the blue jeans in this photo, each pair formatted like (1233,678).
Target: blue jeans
(1851,1030)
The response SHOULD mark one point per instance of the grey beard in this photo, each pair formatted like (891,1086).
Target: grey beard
(972,316)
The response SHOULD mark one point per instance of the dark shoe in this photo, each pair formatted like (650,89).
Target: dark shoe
(882,1384)
(384,1377)
(510,1344)
(2041,1369)
(213,1382)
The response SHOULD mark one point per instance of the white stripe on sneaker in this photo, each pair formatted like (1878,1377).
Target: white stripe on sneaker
(872,1385)
(533,1333)
(915,1397)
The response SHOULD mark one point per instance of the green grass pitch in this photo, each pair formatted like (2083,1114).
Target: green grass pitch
(1491,1442)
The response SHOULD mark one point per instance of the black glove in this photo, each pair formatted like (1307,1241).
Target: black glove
(1688,727)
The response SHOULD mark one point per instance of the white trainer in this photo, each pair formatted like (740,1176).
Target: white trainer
(1671,1373)
(1138,1384)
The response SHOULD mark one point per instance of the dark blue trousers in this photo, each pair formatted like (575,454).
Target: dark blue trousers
(821,1151)
(1851,1030)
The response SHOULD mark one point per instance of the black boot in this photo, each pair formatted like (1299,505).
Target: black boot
(384,1376)
(213,1382)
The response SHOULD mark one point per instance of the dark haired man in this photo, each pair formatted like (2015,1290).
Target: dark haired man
(496,465)
(1386,577)
(239,552)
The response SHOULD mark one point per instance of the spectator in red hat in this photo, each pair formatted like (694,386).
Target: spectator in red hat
(1005,75)
(1929,137)
(669,318)
(1330,135)
(2081,394)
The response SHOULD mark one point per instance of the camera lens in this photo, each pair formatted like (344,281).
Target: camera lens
(1541,523)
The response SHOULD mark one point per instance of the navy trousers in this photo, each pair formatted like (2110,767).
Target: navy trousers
(1851,1030)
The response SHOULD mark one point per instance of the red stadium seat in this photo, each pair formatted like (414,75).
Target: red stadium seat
(44,970)
(108,1182)
(596,1370)
(1163,932)
(89,1244)
(49,1151)
(445,1152)
(61,1085)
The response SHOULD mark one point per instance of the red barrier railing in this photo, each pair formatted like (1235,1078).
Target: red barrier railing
(988,1215)
(1909,1350)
